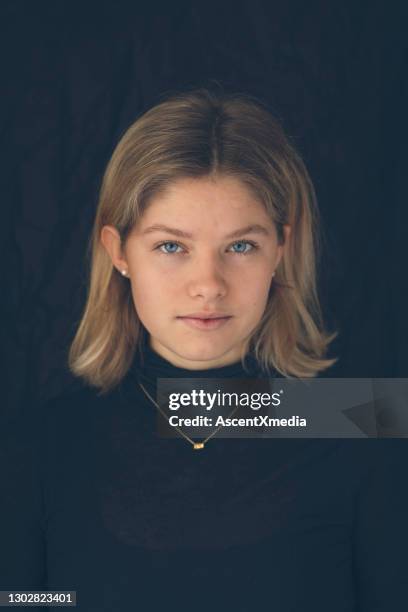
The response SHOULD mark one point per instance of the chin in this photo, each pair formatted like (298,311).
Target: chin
(201,351)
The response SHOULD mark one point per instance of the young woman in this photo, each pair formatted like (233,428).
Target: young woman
(202,265)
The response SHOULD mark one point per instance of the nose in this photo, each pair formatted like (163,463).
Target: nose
(206,278)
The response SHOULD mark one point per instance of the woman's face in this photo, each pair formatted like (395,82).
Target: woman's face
(203,248)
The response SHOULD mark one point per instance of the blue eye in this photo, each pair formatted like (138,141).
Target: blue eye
(244,244)
(171,248)
(169,244)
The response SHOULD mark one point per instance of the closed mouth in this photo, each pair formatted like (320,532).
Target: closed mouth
(204,318)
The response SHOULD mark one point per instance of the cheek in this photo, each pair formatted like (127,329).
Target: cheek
(151,291)
(254,288)
(256,301)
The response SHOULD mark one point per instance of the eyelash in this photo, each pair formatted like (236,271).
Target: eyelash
(254,246)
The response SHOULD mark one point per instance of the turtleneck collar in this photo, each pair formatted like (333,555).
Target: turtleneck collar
(151,366)
(148,366)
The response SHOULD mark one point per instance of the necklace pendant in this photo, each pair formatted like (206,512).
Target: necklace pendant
(198,445)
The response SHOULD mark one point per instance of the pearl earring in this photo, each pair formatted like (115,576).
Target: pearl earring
(124,272)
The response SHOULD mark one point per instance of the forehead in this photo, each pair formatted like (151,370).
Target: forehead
(201,200)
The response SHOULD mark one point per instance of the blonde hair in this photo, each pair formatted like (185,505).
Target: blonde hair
(205,133)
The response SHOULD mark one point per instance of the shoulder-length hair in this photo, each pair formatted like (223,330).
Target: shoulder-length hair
(205,133)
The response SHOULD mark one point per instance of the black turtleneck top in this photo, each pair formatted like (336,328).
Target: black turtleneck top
(93,500)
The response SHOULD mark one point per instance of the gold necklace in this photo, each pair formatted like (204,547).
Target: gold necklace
(196,445)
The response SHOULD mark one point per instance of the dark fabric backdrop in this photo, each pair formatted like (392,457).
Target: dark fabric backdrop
(75,75)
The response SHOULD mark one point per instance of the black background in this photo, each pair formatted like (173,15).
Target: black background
(75,75)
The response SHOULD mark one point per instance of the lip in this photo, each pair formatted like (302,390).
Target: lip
(205,315)
(207,323)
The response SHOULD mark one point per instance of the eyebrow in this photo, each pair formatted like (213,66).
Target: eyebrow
(249,229)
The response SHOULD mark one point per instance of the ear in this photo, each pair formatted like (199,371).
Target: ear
(286,231)
(282,247)
(110,239)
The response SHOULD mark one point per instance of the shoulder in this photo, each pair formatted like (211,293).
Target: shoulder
(354,466)
(389,457)
(376,466)
(75,402)
(67,403)
(64,415)
(382,452)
